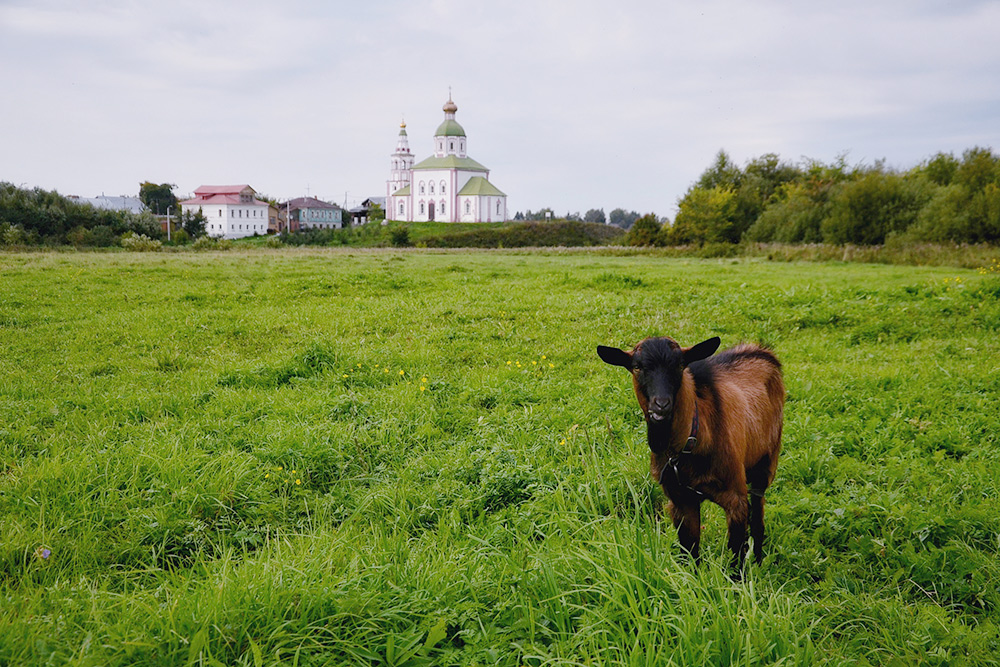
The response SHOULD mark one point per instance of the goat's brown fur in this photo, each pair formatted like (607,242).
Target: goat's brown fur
(740,398)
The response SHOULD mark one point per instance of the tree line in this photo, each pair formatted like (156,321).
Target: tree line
(44,217)
(944,199)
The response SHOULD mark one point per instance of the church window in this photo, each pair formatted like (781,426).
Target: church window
(421,187)
(432,188)
(442,187)
(401,208)
(422,208)
(468,207)
(451,145)
(498,207)
(442,207)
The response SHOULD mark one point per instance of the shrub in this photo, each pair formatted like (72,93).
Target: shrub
(705,215)
(400,236)
(645,231)
(102,236)
(867,209)
(204,243)
(140,243)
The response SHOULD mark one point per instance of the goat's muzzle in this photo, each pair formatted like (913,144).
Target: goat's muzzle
(660,408)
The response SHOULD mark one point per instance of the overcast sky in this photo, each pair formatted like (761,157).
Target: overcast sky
(572,104)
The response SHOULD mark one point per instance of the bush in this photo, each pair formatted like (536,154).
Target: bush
(563,233)
(865,210)
(102,236)
(705,215)
(140,243)
(644,232)
(204,243)
(400,236)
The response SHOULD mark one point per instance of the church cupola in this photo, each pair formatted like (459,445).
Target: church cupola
(449,139)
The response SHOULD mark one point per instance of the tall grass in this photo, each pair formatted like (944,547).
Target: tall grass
(342,457)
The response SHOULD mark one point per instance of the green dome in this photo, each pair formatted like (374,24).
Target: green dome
(449,128)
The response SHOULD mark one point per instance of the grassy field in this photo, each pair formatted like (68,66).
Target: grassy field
(405,458)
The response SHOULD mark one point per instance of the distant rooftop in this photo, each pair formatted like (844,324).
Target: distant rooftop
(122,203)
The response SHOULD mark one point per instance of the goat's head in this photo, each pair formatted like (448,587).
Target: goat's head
(657,366)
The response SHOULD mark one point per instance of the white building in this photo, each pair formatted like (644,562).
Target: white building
(447,187)
(231,211)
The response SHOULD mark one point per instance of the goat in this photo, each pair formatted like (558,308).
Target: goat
(713,425)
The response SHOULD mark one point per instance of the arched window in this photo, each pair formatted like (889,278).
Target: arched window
(498,207)
(442,207)
(401,208)
(422,209)
(421,187)
(432,187)
(468,207)
(442,187)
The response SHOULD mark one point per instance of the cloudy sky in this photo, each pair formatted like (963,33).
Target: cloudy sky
(572,104)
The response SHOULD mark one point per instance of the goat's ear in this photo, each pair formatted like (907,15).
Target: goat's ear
(614,356)
(702,350)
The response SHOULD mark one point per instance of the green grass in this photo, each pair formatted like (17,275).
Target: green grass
(324,457)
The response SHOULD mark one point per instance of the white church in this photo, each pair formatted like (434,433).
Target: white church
(447,187)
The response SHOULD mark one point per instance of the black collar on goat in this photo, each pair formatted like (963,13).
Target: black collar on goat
(739,395)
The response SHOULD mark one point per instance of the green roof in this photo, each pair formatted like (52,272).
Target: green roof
(402,191)
(450,162)
(478,185)
(449,128)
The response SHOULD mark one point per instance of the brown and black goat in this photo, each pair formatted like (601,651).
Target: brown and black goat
(714,427)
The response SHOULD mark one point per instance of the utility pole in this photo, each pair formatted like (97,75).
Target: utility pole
(168,223)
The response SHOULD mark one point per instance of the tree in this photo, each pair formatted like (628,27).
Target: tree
(872,206)
(622,218)
(193,223)
(158,197)
(705,215)
(722,173)
(595,215)
(645,231)
(375,213)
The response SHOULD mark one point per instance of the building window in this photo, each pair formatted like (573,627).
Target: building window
(451,145)
(442,187)
(421,187)
(442,207)
(498,207)
(401,208)
(421,208)
(468,207)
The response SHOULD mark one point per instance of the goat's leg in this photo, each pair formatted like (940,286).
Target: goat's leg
(737,510)
(757,524)
(759,477)
(687,521)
